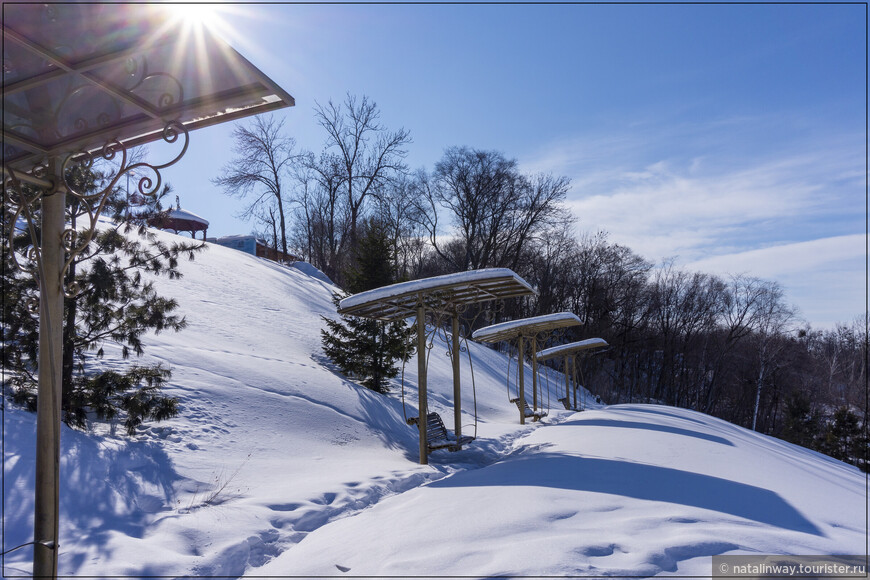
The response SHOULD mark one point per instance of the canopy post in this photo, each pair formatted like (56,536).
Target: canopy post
(522,378)
(423,422)
(574,376)
(457,386)
(48,412)
(534,373)
(574,380)
(567,386)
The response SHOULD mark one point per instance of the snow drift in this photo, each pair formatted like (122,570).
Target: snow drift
(277,465)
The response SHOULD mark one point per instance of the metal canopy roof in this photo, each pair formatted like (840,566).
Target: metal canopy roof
(77,76)
(439,293)
(571,347)
(526,327)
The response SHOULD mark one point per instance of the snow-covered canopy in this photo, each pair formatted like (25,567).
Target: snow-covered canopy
(399,301)
(526,326)
(571,347)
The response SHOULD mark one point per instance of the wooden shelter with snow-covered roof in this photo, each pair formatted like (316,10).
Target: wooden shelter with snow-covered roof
(442,296)
(534,328)
(180,220)
(569,352)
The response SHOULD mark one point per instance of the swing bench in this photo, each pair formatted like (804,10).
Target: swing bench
(527,411)
(437,436)
(444,296)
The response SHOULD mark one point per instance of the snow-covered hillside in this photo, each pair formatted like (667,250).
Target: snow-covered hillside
(279,466)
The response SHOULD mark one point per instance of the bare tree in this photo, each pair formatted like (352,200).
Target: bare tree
(495,209)
(476,187)
(686,309)
(369,154)
(323,215)
(263,156)
(738,313)
(267,216)
(397,210)
(538,209)
(773,317)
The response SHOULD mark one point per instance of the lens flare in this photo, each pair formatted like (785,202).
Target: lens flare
(195,14)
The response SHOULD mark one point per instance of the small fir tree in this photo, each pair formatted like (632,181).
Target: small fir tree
(116,304)
(844,438)
(368,350)
(801,422)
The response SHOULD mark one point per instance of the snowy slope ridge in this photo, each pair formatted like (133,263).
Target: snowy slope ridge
(279,466)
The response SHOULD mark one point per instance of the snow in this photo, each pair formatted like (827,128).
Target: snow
(233,237)
(312,271)
(432,284)
(279,466)
(571,347)
(548,321)
(628,490)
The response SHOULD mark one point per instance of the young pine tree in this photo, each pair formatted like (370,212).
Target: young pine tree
(116,303)
(364,349)
(845,439)
(801,423)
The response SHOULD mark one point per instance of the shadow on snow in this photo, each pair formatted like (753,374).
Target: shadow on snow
(649,427)
(107,486)
(639,481)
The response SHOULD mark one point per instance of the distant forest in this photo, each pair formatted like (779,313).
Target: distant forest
(728,346)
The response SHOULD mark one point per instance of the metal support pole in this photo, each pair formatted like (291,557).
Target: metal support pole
(457,387)
(567,386)
(422,424)
(522,380)
(535,374)
(47,497)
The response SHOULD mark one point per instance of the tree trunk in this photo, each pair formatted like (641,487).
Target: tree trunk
(758,396)
(283,226)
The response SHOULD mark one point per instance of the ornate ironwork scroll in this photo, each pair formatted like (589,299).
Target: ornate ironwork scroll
(25,201)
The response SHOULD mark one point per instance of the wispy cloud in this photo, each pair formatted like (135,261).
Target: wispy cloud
(825,277)
(801,258)
(726,196)
(791,213)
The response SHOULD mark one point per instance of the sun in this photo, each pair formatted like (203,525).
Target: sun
(195,14)
(204,17)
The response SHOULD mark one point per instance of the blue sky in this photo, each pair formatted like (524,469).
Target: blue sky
(729,137)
